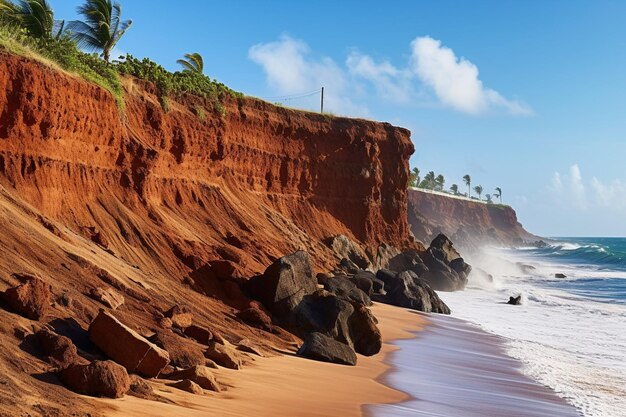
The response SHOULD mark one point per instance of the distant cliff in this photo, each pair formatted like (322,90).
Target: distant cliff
(469,224)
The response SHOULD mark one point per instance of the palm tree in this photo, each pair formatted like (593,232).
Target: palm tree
(499,194)
(192,63)
(455,189)
(479,190)
(440,181)
(102,28)
(488,198)
(35,16)
(416,175)
(468,181)
(428,181)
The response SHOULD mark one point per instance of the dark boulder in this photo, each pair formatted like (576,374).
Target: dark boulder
(326,313)
(515,300)
(364,334)
(320,347)
(408,261)
(348,267)
(284,283)
(407,290)
(447,271)
(98,379)
(345,248)
(560,275)
(347,322)
(387,277)
(322,278)
(345,289)
(367,282)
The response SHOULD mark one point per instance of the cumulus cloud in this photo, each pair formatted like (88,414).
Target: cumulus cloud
(569,188)
(391,83)
(572,189)
(455,80)
(432,71)
(290,69)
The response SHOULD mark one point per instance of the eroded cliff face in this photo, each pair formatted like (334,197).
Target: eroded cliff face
(173,207)
(469,224)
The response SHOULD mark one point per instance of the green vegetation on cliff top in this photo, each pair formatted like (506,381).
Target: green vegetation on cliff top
(28,28)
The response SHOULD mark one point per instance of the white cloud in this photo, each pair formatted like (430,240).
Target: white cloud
(390,82)
(571,189)
(290,69)
(455,80)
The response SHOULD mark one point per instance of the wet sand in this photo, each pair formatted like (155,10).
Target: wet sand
(453,369)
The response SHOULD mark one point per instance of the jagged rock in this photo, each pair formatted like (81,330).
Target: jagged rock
(187,385)
(346,322)
(108,297)
(320,347)
(345,248)
(384,254)
(127,347)
(182,352)
(60,350)
(560,275)
(255,317)
(98,379)
(223,355)
(284,283)
(364,333)
(407,290)
(322,278)
(367,282)
(348,267)
(30,299)
(447,271)
(201,375)
(345,289)
(444,244)
(179,316)
(199,334)
(325,313)
(407,261)
(515,300)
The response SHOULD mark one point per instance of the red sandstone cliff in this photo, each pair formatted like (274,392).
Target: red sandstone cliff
(469,224)
(143,200)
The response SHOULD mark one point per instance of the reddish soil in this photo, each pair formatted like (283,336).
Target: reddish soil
(469,224)
(164,207)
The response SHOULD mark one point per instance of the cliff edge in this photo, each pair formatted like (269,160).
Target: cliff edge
(469,224)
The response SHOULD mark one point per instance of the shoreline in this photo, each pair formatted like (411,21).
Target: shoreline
(289,385)
(453,368)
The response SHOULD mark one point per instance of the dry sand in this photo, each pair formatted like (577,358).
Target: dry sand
(290,386)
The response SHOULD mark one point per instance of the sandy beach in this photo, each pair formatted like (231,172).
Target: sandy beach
(287,385)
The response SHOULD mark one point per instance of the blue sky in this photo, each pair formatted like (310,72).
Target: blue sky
(528,96)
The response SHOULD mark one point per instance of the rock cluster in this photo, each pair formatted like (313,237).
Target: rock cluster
(289,290)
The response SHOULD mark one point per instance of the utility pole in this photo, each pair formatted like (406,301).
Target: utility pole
(322,102)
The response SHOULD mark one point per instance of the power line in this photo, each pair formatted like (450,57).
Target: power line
(291,97)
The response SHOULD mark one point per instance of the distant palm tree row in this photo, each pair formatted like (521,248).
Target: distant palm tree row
(101,29)
(432,181)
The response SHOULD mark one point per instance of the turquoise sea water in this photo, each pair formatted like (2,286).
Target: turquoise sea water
(597,255)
